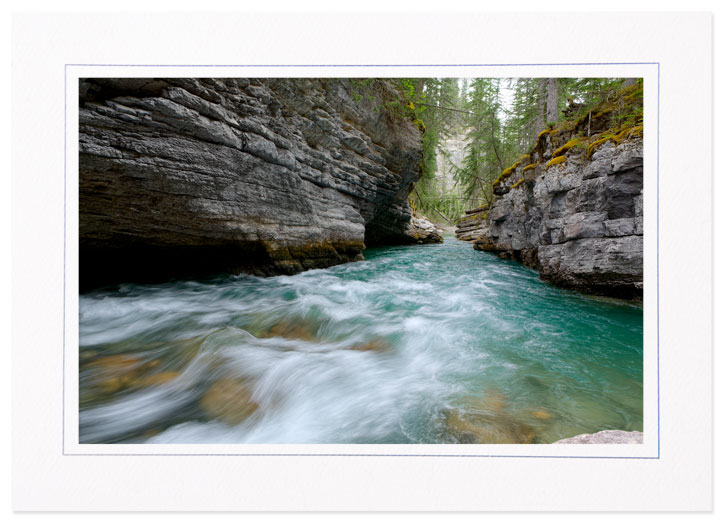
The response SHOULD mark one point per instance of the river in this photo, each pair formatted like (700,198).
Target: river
(416,344)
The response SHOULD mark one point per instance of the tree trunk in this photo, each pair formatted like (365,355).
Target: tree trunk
(541,105)
(552,100)
(419,88)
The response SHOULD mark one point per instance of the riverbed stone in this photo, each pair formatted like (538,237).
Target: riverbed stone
(229,400)
(292,329)
(472,427)
(113,373)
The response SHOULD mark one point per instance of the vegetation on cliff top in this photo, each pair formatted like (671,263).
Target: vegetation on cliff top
(615,114)
(500,119)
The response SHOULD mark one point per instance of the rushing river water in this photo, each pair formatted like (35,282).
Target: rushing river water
(418,344)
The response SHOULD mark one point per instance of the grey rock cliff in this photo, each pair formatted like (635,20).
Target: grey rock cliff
(579,222)
(268,176)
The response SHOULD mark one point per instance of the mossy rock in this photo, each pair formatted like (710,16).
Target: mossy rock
(529,167)
(615,136)
(555,161)
(518,183)
(508,171)
(634,131)
(594,145)
(570,144)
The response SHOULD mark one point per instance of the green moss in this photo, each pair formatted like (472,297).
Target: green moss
(508,171)
(632,92)
(634,131)
(555,161)
(604,110)
(594,145)
(529,167)
(615,136)
(571,143)
(518,183)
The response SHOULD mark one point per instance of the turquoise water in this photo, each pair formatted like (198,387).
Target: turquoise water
(417,344)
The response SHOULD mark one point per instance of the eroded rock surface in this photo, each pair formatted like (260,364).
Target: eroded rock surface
(267,176)
(579,221)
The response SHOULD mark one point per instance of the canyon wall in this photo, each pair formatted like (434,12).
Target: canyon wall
(186,177)
(572,207)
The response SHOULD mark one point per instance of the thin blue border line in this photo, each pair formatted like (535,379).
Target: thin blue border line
(65,168)
(375,455)
(65,227)
(659,443)
(372,65)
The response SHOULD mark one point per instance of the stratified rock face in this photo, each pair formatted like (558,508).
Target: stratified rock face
(605,437)
(578,221)
(190,176)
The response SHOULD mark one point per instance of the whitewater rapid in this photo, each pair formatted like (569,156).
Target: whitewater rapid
(418,344)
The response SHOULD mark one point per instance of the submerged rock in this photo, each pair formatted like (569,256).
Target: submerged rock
(292,329)
(541,414)
(376,344)
(485,419)
(110,374)
(476,427)
(186,177)
(228,400)
(606,437)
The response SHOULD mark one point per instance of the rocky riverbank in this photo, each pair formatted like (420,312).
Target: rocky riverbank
(183,177)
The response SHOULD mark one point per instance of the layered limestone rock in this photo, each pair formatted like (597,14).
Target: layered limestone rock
(191,176)
(572,207)
(578,222)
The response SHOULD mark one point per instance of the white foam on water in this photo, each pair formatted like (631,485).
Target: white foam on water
(365,352)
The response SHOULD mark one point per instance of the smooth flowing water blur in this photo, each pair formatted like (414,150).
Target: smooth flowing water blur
(417,344)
